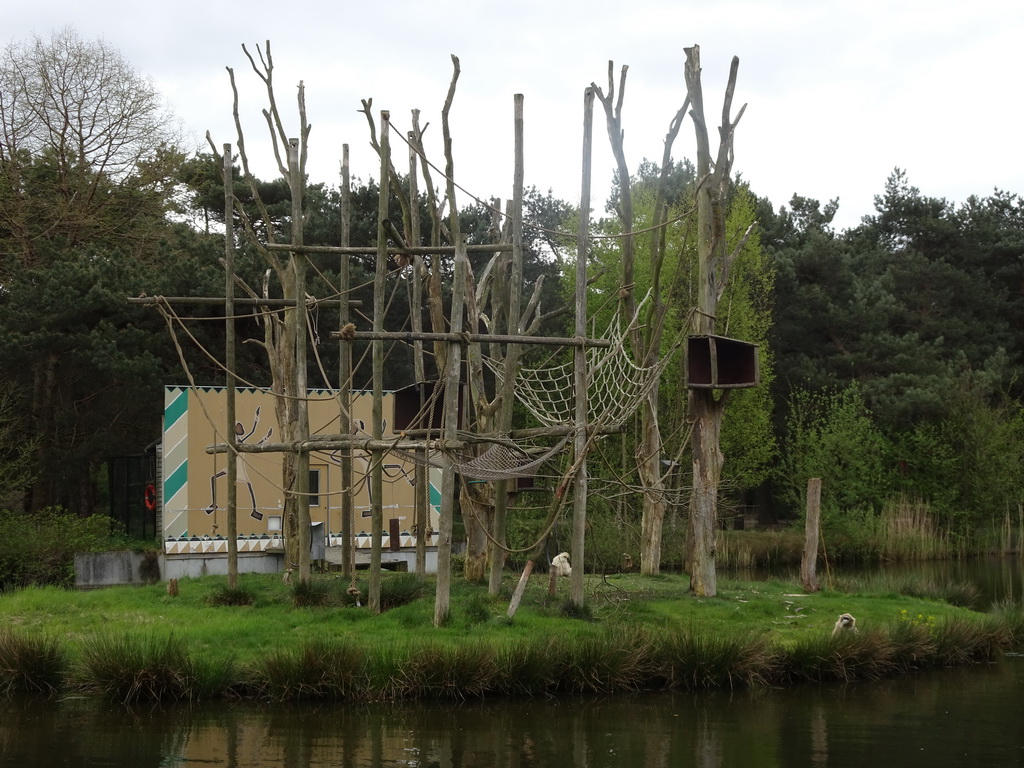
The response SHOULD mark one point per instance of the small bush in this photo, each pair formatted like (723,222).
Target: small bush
(40,548)
(475,610)
(310,593)
(317,670)
(571,610)
(226,596)
(132,670)
(608,662)
(30,665)
(697,660)
(462,671)
(959,642)
(400,589)
(525,668)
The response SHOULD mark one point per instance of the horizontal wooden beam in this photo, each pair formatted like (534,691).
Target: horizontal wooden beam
(371,250)
(482,338)
(243,302)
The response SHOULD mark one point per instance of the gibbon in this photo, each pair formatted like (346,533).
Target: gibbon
(561,564)
(845,623)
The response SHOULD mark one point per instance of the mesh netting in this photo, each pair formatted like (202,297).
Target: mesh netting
(616,385)
(505,461)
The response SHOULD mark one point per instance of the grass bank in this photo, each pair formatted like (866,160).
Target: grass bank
(274,642)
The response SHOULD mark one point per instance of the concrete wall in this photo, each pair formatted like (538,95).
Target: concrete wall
(107,569)
(196,565)
(95,570)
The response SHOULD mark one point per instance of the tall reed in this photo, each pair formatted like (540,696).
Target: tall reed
(695,659)
(149,668)
(321,669)
(30,664)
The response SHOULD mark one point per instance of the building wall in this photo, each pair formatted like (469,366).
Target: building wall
(194,486)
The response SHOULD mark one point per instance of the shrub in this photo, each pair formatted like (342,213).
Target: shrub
(400,589)
(226,596)
(319,669)
(697,659)
(137,669)
(475,610)
(30,665)
(435,670)
(40,548)
(310,593)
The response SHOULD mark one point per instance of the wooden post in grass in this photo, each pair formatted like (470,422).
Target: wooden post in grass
(809,562)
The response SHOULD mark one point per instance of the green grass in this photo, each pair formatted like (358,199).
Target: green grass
(138,643)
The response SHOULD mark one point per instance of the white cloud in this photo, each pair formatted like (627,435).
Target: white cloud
(838,92)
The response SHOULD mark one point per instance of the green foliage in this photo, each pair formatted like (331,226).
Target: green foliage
(226,596)
(571,610)
(30,664)
(400,589)
(316,669)
(646,634)
(310,593)
(744,312)
(832,436)
(148,669)
(695,659)
(40,548)
(17,447)
(478,609)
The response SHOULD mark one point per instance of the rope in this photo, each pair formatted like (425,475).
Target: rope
(616,385)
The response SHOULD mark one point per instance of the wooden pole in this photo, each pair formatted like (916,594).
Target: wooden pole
(376,455)
(450,412)
(498,555)
(345,372)
(229,368)
(421,493)
(579,516)
(809,562)
(299,389)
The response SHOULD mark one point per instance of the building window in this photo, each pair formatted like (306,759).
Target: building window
(274,523)
(314,487)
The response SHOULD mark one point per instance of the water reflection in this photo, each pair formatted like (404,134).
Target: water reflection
(960,717)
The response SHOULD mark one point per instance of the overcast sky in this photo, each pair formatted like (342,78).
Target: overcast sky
(838,93)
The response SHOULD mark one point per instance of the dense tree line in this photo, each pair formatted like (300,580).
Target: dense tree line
(892,362)
(906,326)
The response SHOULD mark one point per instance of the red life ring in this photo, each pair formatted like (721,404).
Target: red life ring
(150,497)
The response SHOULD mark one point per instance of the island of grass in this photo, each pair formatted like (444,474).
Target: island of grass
(273,641)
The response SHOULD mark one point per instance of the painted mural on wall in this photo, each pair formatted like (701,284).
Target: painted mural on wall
(195,482)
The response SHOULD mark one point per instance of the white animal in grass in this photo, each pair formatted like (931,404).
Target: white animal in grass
(561,564)
(845,623)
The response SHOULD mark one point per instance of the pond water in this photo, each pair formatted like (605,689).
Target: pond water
(958,717)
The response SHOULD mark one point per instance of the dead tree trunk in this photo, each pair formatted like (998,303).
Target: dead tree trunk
(229,365)
(706,409)
(506,395)
(579,517)
(377,419)
(645,344)
(284,341)
(809,561)
(345,372)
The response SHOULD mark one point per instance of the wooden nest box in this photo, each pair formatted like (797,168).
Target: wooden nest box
(717,362)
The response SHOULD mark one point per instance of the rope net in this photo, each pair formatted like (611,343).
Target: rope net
(499,461)
(616,385)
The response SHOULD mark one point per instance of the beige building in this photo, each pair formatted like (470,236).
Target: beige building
(192,515)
